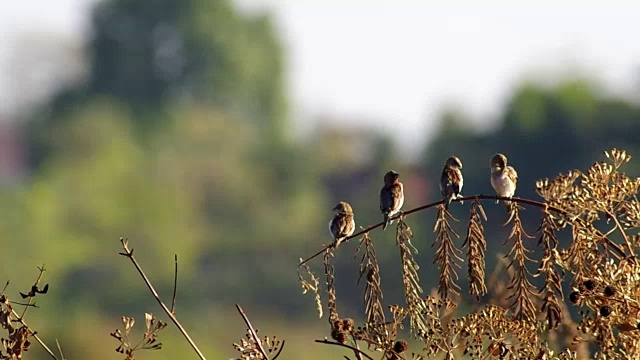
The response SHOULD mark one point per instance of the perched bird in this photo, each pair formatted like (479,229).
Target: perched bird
(451,180)
(503,177)
(391,197)
(343,223)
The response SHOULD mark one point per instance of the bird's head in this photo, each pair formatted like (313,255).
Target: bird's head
(343,207)
(454,162)
(498,161)
(391,177)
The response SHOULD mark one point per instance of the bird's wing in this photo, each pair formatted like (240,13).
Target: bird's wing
(386,199)
(512,174)
(451,181)
(398,197)
(342,225)
(334,227)
(349,225)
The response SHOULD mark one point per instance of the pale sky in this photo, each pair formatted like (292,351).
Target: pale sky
(393,64)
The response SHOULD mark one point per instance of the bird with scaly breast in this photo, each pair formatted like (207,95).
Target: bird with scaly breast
(451,180)
(391,197)
(503,177)
(343,223)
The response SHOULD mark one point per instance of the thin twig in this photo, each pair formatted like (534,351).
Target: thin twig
(279,351)
(624,234)
(129,254)
(325,341)
(252,331)
(20,318)
(29,302)
(609,242)
(60,350)
(175,284)
(357,353)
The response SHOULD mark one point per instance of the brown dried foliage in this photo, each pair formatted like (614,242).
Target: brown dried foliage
(331,288)
(447,254)
(599,212)
(551,291)
(411,279)
(149,340)
(250,350)
(476,247)
(522,295)
(310,283)
(370,269)
(19,334)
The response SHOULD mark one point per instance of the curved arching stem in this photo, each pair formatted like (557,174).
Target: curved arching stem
(539,204)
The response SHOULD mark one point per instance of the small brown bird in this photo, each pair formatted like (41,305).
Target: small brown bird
(343,223)
(503,178)
(391,197)
(451,180)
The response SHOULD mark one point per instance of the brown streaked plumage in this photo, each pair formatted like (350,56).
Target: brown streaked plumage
(451,180)
(343,223)
(504,178)
(391,197)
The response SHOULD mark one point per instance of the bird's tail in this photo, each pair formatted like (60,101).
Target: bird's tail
(386,222)
(450,199)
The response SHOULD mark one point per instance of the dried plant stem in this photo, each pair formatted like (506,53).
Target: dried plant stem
(623,233)
(20,317)
(411,279)
(539,204)
(476,248)
(128,253)
(175,284)
(253,332)
(522,294)
(30,301)
(312,284)
(331,289)
(279,350)
(60,350)
(552,288)
(357,353)
(373,293)
(355,350)
(447,254)
(44,346)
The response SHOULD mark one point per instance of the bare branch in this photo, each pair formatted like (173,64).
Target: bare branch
(35,336)
(60,350)
(175,284)
(539,204)
(253,333)
(325,341)
(128,253)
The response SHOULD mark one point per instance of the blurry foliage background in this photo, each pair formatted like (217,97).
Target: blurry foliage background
(178,138)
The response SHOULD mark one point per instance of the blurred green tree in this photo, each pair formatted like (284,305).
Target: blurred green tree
(152,54)
(543,130)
